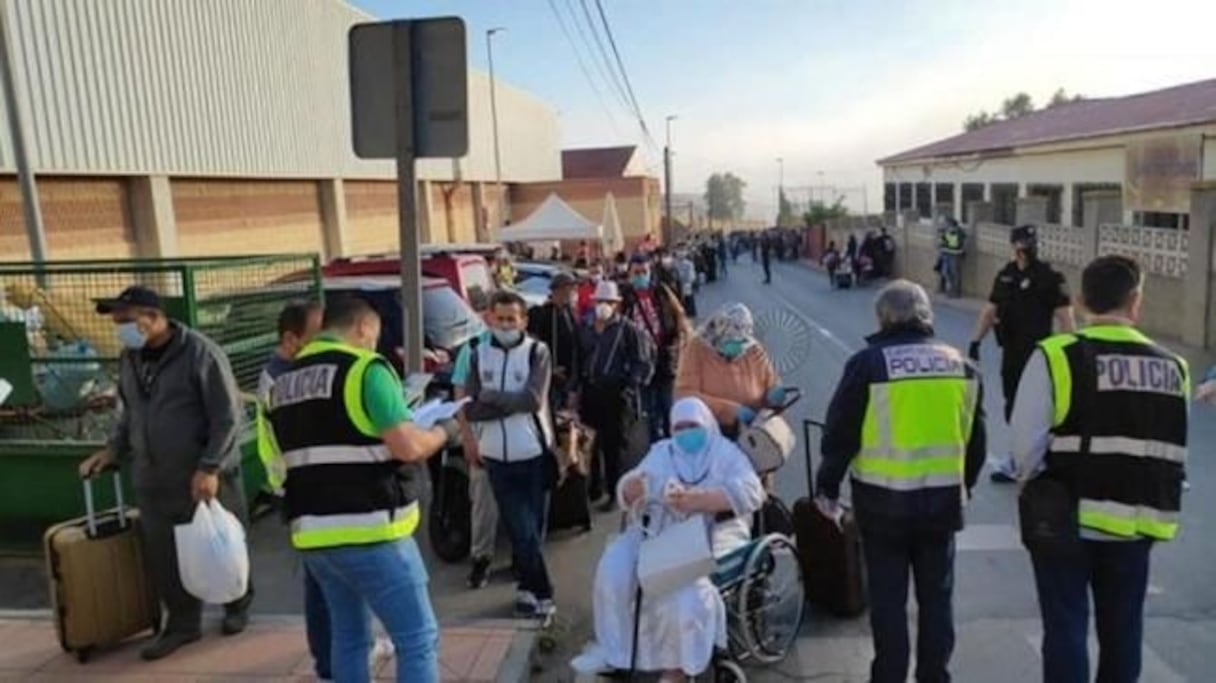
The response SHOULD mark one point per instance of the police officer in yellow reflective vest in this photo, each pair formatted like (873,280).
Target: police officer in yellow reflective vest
(341,422)
(907,420)
(1103,412)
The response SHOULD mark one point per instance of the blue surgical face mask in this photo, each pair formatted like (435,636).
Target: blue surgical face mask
(640,281)
(130,336)
(731,348)
(691,441)
(508,337)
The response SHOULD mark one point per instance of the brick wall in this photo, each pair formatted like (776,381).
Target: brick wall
(371,216)
(227,217)
(85,218)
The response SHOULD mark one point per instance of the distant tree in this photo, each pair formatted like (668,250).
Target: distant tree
(724,196)
(1061,96)
(821,212)
(977,121)
(1015,107)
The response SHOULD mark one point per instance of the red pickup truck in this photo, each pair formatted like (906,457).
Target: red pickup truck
(463,266)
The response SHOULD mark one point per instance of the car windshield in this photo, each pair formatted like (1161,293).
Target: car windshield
(447,320)
(477,283)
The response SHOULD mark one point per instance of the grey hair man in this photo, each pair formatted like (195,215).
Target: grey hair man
(910,475)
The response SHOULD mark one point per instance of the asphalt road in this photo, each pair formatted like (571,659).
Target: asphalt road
(811,329)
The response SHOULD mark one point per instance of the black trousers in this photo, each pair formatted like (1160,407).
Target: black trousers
(1013,362)
(603,408)
(929,558)
(160,511)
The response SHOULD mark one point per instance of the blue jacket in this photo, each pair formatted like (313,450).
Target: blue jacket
(880,510)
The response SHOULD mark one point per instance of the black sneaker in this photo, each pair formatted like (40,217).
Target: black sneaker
(167,644)
(480,575)
(1001,477)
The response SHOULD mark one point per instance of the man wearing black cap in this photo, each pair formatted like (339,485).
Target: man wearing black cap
(178,434)
(1027,295)
(554,323)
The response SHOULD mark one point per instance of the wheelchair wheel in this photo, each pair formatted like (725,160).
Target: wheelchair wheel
(769,604)
(727,671)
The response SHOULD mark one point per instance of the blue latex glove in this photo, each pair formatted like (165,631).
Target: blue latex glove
(745,415)
(776,397)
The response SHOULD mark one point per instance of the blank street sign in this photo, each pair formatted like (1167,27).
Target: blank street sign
(440,82)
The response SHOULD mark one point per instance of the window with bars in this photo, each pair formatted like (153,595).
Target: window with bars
(1005,203)
(924,199)
(889,195)
(1054,195)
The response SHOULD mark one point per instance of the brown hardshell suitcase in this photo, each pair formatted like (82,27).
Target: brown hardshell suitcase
(833,572)
(100,591)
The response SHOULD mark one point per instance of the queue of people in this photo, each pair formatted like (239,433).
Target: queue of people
(1098,417)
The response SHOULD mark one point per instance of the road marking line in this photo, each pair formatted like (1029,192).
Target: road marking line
(821,329)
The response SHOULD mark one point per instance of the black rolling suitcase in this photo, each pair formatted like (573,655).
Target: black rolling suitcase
(832,568)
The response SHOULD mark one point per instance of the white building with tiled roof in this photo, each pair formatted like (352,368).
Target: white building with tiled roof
(1149,146)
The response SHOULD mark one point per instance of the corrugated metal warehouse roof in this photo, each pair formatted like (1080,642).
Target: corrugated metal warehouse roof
(1189,104)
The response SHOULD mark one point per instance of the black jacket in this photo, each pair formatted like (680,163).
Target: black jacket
(558,329)
(667,337)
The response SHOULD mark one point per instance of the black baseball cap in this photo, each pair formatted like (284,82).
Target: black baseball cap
(135,296)
(1023,233)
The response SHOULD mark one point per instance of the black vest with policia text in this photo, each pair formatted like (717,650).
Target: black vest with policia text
(1119,430)
(343,486)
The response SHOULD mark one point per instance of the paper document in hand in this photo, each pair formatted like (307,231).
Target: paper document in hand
(435,411)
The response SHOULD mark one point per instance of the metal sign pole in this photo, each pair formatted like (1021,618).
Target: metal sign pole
(407,199)
(29,189)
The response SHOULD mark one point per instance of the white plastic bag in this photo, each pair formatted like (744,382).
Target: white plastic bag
(212,557)
(675,556)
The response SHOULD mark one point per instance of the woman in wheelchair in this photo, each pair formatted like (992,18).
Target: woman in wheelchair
(695,472)
(728,369)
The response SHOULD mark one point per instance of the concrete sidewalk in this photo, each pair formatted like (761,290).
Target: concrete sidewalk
(272,649)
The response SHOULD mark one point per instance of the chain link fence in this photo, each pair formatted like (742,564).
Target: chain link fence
(61,357)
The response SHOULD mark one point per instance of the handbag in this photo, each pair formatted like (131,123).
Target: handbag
(1047,514)
(768,442)
(675,556)
(1047,508)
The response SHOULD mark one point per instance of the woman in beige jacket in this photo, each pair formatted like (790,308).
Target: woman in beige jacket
(725,367)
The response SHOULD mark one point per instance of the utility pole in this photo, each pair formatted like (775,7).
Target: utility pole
(494,120)
(668,225)
(29,188)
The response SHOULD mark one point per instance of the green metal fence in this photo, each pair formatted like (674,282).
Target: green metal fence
(61,357)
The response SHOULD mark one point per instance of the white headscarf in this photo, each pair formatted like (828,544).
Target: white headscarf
(732,322)
(692,467)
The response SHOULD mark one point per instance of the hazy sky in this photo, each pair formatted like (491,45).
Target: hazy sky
(828,85)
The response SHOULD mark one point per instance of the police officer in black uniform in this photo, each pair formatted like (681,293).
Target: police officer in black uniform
(1027,295)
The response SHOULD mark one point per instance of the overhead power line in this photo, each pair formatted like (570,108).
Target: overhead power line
(582,65)
(624,73)
(595,46)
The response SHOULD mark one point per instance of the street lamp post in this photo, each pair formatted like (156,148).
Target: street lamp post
(667,224)
(494,118)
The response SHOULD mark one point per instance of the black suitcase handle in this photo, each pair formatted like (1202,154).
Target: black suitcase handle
(810,466)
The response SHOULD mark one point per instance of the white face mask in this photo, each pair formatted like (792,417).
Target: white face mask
(604,310)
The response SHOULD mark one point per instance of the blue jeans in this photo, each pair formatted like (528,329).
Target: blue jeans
(519,488)
(316,625)
(930,558)
(389,580)
(1117,573)
(952,273)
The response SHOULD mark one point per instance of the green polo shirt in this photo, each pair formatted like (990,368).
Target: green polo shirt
(383,394)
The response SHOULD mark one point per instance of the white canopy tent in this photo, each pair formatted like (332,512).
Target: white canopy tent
(552,220)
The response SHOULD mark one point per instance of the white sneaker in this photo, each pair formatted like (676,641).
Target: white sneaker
(381,649)
(525,604)
(591,661)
